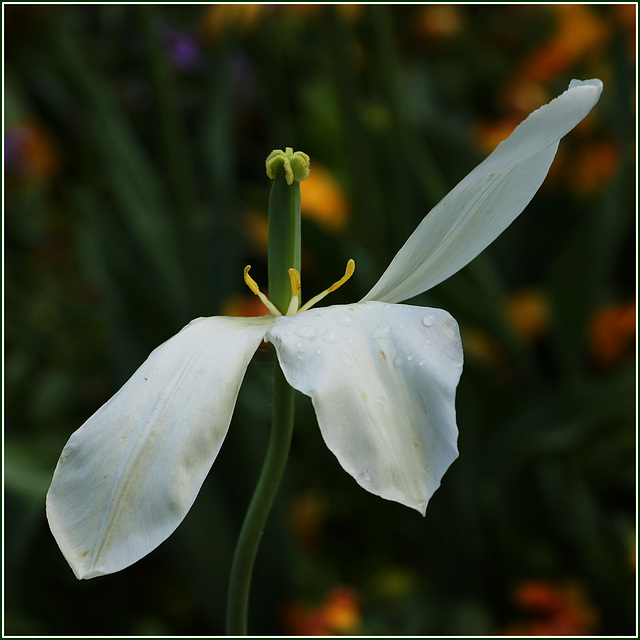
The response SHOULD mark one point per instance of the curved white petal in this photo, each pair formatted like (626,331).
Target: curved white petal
(128,476)
(382,379)
(487,201)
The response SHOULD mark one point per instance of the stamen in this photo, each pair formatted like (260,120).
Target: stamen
(294,276)
(253,285)
(351,267)
(348,272)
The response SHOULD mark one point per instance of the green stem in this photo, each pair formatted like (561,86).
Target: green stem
(286,169)
(272,470)
(284,239)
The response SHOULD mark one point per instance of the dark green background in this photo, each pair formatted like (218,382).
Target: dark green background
(138,224)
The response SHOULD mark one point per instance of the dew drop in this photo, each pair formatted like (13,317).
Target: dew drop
(318,352)
(308,332)
(410,357)
(299,345)
(429,320)
(422,362)
(345,320)
(426,341)
(331,336)
(300,355)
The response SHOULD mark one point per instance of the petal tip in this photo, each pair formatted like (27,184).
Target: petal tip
(595,84)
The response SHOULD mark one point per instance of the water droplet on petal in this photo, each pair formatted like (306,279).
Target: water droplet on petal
(300,355)
(429,320)
(308,332)
(331,336)
(427,341)
(318,352)
(299,345)
(410,357)
(422,362)
(345,319)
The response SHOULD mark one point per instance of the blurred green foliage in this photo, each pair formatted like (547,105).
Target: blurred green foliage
(135,139)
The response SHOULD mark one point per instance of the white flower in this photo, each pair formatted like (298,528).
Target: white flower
(381,376)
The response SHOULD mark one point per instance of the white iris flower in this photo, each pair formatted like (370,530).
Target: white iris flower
(382,376)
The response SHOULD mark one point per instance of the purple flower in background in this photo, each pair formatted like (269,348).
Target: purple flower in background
(182,48)
(29,151)
(14,146)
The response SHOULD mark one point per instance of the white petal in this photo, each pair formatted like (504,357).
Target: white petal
(487,201)
(382,379)
(128,476)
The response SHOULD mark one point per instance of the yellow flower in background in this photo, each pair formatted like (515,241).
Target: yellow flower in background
(528,313)
(219,17)
(323,199)
(338,614)
(481,348)
(440,21)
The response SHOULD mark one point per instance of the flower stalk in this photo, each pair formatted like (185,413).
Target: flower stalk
(286,169)
(260,506)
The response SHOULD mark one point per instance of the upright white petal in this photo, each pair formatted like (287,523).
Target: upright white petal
(128,476)
(487,201)
(382,380)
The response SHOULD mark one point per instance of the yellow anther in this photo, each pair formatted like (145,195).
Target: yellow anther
(250,282)
(294,276)
(348,272)
(253,285)
(351,267)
